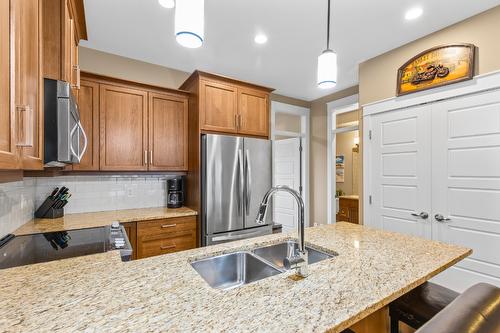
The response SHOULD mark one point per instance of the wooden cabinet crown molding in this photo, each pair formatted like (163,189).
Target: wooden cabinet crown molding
(77,12)
(197,74)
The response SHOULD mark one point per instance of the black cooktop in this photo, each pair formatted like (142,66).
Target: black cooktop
(36,248)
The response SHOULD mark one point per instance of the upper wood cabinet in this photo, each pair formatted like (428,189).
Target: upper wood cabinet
(63,28)
(9,158)
(253,106)
(168,130)
(28,82)
(229,106)
(219,103)
(88,104)
(123,128)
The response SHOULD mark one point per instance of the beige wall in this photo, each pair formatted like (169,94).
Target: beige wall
(377,76)
(318,155)
(102,63)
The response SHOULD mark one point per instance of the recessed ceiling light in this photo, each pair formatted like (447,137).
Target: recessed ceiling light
(260,39)
(167,3)
(414,13)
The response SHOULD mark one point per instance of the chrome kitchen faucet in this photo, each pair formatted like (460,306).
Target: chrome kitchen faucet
(298,261)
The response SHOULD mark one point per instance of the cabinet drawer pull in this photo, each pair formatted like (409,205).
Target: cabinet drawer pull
(167,247)
(24,126)
(150,157)
(164,226)
(145,157)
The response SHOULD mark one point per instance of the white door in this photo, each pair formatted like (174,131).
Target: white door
(400,171)
(466,185)
(286,154)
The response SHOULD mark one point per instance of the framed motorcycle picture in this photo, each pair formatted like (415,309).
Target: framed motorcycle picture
(436,67)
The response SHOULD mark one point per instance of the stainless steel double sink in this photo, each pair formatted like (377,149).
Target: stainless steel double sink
(232,270)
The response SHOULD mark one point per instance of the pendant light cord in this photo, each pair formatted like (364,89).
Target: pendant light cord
(328,28)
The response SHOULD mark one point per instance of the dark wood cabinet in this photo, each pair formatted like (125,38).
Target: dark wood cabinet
(9,155)
(168,130)
(348,210)
(88,104)
(156,237)
(219,103)
(27,81)
(123,128)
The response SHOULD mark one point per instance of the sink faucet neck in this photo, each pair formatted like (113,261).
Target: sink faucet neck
(299,263)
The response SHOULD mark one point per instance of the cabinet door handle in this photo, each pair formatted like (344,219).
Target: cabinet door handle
(24,126)
(145,157)
(236,121)
(151,157)
(167,247)
(239,121)
(164,226)
(77,70)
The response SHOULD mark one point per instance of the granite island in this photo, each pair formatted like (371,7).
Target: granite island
(164,293)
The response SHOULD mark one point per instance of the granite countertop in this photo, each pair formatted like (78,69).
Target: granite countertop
(99,219)
(164,293)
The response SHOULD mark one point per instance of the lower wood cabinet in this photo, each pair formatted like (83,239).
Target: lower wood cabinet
(348,210)
(152,238)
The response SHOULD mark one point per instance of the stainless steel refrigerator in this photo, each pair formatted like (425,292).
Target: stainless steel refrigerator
(236,173)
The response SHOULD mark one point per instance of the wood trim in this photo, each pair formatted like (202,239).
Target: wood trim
(109,80)
(77,12)
(11,176)
(210,76)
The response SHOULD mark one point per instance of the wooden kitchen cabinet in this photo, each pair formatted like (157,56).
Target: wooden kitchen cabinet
(253,107)
(88,104)
(123,128)
(348,210)
(229,106)
(131,230)
(63,28)
(9,157)
(219,103)
(168,130)
(28,82)
(165,236)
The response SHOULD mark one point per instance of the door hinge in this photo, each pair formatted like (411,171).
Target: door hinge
(300,148)
(370,199)
(370,134)
(300,189)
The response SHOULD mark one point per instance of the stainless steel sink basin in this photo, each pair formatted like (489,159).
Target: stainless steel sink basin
(233,270)
(276,253)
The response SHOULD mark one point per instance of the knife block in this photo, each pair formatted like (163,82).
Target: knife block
(46,211)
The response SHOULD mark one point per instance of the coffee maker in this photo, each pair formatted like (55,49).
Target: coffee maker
(175,192)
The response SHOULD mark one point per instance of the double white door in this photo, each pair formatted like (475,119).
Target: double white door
(435,173)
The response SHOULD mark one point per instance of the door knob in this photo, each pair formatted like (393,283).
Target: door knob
(422,215)
(441,218)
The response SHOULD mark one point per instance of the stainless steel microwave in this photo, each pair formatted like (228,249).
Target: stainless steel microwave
(65,139)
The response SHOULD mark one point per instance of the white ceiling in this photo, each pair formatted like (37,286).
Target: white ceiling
(361,29)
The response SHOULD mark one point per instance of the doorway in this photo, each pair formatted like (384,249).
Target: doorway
(290,136)
(344,160)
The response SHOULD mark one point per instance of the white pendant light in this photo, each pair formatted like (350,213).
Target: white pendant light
(327,62)
(190,22)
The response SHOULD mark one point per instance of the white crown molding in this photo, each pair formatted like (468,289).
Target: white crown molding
(479,83)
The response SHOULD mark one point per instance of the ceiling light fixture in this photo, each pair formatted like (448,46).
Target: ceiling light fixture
(190,22)
(327,62)
(414,13)
(260,39)
(167,3)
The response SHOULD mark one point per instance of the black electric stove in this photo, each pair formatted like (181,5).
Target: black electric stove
(37,248)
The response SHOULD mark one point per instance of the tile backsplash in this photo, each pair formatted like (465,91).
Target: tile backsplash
(17,204)
(18,200)
(102,193)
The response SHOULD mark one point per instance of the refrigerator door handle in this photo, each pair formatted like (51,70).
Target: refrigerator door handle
(241,182)
(248,181)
